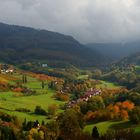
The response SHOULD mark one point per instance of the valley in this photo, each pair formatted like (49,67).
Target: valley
(12,100)
(24,90)
(52,87)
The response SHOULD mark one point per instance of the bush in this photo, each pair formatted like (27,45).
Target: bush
(22,110)
(134,115)
(40,111)
(18,89)
(122,134)
(52,109)
(61,97)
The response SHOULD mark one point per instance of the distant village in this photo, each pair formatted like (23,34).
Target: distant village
(92,92)
(5,69)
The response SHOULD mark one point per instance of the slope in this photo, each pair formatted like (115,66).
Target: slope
(23,44)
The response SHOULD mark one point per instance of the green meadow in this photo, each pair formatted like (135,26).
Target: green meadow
(108,85)
(103,127)
(9,101)
(137,68)
(83,77)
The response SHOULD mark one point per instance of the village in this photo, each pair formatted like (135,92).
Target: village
(89,94)
(5,69)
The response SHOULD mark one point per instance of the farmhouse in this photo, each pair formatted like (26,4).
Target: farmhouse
(5,68)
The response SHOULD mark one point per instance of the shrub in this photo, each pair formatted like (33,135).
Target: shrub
(18,89)
(134,115)
(61,96)
(22,110)
(40,111)
(122,134)
(52,109)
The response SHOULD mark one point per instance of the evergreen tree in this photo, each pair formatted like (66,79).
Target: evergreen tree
(42,123)
(95,133)
(23,81)
(24,124)
(25,78)
(43,85)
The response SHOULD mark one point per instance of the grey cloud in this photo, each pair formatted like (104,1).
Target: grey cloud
(86,20)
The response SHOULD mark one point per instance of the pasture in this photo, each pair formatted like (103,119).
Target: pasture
(107,85)
(137,68)
(9,101)
(103,127)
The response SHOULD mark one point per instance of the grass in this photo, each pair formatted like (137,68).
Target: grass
(107,125)
(83,77)
(108,85)
(21,116)
(137,67)
(9,102)
(102,126)
(8,78)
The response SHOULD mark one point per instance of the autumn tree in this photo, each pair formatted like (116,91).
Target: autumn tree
(52,109)
(95,133)
(95,103)
(134,115)
(70,123)
(34,134)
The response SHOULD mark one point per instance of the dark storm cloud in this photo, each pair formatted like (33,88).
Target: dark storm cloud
(86,20)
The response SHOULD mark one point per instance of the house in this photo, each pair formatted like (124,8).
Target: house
(44,65)
(85,97)
(5,68)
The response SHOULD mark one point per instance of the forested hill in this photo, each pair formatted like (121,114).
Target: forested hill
(22,44)
(116,51)
(132,59)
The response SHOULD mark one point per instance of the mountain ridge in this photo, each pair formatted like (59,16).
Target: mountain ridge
(19,44)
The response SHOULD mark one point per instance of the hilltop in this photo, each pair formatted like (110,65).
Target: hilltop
(23,44)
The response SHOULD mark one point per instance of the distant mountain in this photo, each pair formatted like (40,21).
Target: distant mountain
(23,44)
(116,51)
(132,59)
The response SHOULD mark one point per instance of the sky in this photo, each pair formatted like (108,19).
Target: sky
(86,20)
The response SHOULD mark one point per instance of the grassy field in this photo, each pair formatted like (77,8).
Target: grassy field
(9,102)
(137,68)
(108,85)
(83,77)
(104,126)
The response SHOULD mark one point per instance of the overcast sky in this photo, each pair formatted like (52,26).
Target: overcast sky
(86,20)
